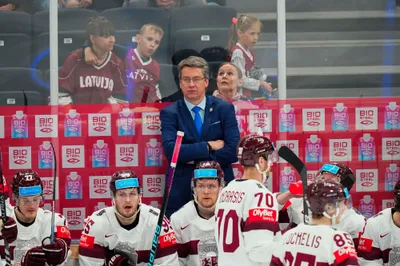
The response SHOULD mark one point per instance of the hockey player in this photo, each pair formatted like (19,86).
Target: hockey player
(319,243)
(32,245)
(246,211)
(194,223)
(94,84)
(380,242)
(352,221)
(123,234)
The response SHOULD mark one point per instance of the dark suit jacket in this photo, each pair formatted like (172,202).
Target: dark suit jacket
(219,124)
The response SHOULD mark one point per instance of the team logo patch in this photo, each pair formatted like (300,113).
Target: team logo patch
(63,232)
(365,244)
(86,241)
(262,215)
(344,253)
(168,240)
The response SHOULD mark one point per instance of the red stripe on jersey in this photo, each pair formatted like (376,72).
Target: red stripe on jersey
(249,226)
(349,261)
(97,251)
(144,255)
(276,261)
(374,254)
(283,216)
(188,248)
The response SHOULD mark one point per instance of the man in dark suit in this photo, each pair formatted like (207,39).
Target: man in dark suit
(210,127)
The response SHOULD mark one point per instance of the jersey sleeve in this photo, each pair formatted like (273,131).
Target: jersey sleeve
(357,224)
(91,244)
(369,251)
(344,252)
(239,60)
(260,224)
(183,252)
(67,75)
(167,246)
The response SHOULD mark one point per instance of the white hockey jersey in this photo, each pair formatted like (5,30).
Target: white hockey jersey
(246,224)
(315,245)
(380,242)
(103,235)
(195,236)
(353,223)
(33,235)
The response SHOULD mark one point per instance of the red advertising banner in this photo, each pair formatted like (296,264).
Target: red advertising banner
(94,141)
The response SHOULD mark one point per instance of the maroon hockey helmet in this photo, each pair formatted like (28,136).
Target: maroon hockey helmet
(124,179)
(345,174)
(209,170)
(26,183)
(322,192)
(251,147)
(396,194)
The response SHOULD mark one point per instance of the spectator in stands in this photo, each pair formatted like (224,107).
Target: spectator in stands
(164,3)
(41,5)
(243,35)
(229,80)
(210,126)
(81,83)
(143,72)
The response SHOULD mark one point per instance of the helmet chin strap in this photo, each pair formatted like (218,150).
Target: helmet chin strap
(333,217)
(263,173)
(129,219)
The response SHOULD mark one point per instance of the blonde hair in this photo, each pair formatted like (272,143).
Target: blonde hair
(244,22)
(240,74)
(151,27)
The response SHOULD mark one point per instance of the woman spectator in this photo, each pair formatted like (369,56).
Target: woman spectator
(229,80)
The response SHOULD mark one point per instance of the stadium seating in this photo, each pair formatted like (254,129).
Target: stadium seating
(19,87)
(199,39)
(168,85)
(15,39)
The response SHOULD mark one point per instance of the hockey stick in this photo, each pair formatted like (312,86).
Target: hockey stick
(295,161)
(3,212)
(167,189)
(53,208)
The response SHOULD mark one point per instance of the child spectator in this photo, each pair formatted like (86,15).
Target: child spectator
(81,83)
(143,72)
(243,36)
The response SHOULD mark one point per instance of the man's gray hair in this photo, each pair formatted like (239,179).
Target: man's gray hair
(195,61)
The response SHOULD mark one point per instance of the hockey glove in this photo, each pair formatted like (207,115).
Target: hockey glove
(34,257)
(127,252)
(119,260)
(10,230)
(57,252)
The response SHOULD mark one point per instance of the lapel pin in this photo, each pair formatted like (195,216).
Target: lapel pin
(211,110)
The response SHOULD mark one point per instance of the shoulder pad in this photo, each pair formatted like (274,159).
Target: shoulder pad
(101,212)
(153,212)
(378,214)
(357,211)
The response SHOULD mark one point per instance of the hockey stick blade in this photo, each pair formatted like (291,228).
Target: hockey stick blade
(3,212)
(287,154)
(167,189)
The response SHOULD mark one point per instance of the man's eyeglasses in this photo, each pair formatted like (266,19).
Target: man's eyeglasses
(196,80)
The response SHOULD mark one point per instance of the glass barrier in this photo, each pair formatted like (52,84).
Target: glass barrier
(118,67)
